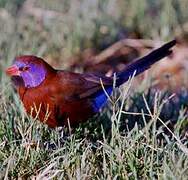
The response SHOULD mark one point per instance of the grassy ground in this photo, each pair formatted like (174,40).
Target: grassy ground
(108,146)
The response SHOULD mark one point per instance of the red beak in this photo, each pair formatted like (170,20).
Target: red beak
(13,71)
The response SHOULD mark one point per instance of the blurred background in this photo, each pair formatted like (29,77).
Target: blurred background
(100,36)
(80,34)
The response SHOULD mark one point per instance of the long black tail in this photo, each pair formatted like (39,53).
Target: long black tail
(145,62)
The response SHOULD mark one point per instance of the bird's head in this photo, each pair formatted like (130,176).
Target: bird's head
(29,71)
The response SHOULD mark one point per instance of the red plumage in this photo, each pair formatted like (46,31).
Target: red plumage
(58,96)
(67,97)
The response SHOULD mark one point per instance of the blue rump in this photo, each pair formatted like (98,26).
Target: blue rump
(100,99)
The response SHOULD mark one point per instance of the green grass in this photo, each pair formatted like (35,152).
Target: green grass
(109,145)
(30,149)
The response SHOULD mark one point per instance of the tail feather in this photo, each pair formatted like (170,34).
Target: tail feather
(145,62)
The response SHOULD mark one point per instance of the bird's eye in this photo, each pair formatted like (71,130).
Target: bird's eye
(24,68)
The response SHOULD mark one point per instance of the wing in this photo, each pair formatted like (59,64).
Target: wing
(68,87)
(98,96)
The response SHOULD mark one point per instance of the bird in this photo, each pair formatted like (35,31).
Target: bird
(64,98)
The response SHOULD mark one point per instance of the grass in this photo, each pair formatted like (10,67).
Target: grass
(30,149)
(127,140)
